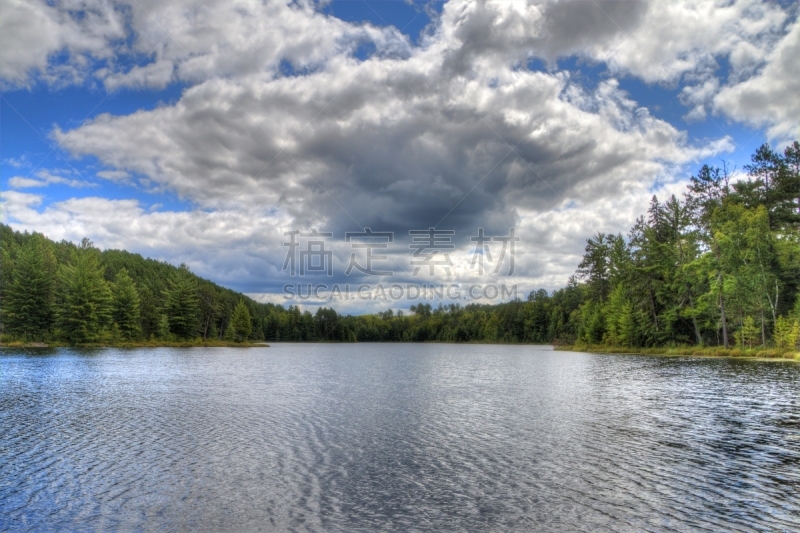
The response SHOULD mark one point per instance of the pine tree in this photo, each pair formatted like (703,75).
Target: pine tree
(748,334)
(85,298)
(240,326)
(230,333)
(181,304)
(126,305)
(786,333)
(28,297)
(162,327)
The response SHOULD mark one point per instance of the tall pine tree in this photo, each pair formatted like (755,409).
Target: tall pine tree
(240,327)
(28,297)
(126,305)
(85,298)
(182,305)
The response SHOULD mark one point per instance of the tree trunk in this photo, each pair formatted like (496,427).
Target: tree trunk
(694,321)
(724,323)
(763,331)
(653,307)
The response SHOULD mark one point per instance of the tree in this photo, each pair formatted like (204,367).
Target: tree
(85,298)
(748,334)
(162,327)
(209,310)
(746,260)
(787,333)
(240,326)
(595,266)
(126,305)
(181,304)
(28,296)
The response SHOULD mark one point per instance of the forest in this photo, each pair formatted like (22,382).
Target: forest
(718,267)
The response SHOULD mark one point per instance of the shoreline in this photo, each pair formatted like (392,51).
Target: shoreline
(138,344)
(759,354)
(684,351)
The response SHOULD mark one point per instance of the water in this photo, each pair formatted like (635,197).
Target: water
(395,437)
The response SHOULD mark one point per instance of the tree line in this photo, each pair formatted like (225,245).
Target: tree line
(59,291)
(721,266)
(718,267)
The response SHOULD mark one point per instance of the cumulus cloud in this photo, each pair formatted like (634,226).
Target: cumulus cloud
(43,179)
(674,39)
(772,97)
(114,175)
(389,140)
(179,236)
(33,32)
(281,127)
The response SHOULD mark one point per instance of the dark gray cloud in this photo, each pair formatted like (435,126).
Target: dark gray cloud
(456,133)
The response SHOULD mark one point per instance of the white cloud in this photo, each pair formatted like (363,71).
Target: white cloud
(43,179)
(772,97)
(114,175)
(32,32)
(19,182)
(698,97)
(241,255)
(680,38)
(455,129)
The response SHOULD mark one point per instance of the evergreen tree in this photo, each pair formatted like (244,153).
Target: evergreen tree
(182,305)
(787,333)
(748,334)
(126,305)
(28,295)
(230,333)
(595,267)
(162,327)
(85,298)
(240,326)
(209,311)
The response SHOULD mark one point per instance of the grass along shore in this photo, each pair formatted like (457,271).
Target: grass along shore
(700,351)
(188,343)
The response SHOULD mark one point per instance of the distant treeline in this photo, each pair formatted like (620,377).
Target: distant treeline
(59,291)
(719,267)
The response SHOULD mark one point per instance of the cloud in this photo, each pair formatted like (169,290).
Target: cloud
(33,33)
(281,127)
(772,97)
(43,179)
(698,97)
(386,141)
(675,39)
(114,175)
(153,76)
(176,236)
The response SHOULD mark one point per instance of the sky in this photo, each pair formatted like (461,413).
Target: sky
(220,134)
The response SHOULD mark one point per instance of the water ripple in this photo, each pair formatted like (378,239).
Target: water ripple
(395,437)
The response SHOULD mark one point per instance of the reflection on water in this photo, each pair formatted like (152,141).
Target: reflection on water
(398,437)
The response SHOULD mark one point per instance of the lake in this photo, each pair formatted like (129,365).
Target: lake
(395,437)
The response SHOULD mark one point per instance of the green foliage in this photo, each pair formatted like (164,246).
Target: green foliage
(240,327)
(787,333)
(125,306)
(182,305)
(92,300)
(162,328)
(84,296)
(747,335)
(28,290)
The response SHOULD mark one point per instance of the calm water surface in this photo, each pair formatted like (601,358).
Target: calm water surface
(395,437)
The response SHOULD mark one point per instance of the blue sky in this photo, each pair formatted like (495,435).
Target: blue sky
(217,125)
